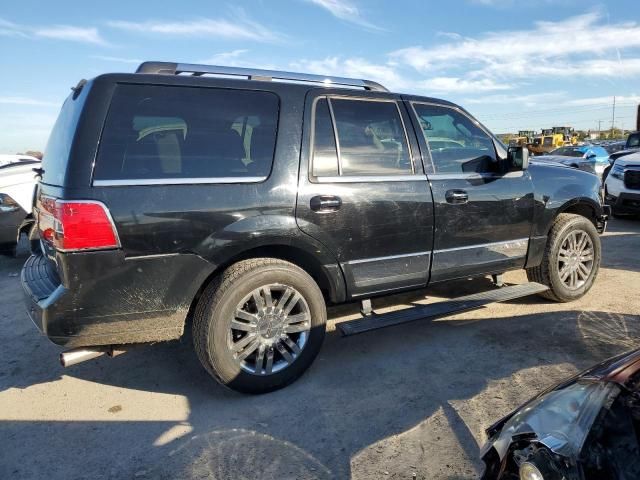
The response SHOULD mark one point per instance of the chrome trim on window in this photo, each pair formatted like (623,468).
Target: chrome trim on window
(177,181)
(371,178)
(391,257)
(454,176)
(472,175)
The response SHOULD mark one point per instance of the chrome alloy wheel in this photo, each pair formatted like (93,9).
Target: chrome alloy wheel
(575,259)
(270,329)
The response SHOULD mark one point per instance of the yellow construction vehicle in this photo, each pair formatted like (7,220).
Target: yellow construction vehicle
(552,138)
(524,138)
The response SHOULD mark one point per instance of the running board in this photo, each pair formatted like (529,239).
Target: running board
(439,309)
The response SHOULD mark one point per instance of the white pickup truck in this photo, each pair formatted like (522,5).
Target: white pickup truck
(17,184)
(622,186)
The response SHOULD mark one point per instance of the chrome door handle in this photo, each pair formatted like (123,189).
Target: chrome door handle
(325,203)
(456,196)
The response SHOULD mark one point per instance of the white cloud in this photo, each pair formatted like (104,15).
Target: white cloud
(568,47)
(239,28)
(225,58)
(514,100)
(459,85)
(391,77)
(604,101)
(71,33)
(26,101)
(355,68)
(10,29)
(345,10)
(58,32)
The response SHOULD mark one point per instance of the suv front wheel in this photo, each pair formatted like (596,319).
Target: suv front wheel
(259,325)
(571,259)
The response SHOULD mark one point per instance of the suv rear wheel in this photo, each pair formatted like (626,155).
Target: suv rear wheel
(259,325)
(571,259)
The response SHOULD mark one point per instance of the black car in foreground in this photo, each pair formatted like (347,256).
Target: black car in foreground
(248,204)
(586,428)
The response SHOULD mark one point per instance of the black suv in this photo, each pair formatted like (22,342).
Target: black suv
(248,204)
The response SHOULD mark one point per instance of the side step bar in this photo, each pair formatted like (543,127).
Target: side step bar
(439,309)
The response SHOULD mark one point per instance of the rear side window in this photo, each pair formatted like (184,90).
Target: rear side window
(633,141)
(58,149)
(371,139)
(158,133)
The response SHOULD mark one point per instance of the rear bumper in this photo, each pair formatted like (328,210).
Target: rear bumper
(118,301)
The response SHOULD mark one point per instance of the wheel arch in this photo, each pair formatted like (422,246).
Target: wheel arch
(329,278)
(584,207)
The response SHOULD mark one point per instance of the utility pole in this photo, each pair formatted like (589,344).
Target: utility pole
(599,124)
(613,115)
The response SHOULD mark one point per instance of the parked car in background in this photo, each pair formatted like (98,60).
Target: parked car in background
(622,185)
(250,203)
(17,185)
(632,145)
(585,428)
(614,146)
(590,158)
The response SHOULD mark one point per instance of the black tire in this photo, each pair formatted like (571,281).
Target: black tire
(547,272)
(216,309)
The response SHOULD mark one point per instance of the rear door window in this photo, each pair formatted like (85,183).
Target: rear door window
(359,138)
(161,134)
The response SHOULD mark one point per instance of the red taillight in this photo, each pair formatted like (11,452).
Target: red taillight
(76,225)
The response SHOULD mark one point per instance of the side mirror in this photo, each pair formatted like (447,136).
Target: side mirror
(518,158)
(590,154)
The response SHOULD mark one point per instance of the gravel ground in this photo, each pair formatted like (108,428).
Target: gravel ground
(392,403)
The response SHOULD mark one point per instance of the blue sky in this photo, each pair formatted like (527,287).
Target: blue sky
(514,64)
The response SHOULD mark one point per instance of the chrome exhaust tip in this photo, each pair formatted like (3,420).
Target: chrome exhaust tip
(79,355)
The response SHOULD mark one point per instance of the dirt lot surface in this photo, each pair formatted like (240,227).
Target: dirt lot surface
(408,400)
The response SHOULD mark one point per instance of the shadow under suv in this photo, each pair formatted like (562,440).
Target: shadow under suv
(250,203)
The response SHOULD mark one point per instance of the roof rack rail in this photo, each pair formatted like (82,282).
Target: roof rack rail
(170,68)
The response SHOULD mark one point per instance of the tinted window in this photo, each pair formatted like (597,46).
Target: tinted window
(633,141)
(58,149)
(456,143)
(325,156)
(155,132)
(371,138)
